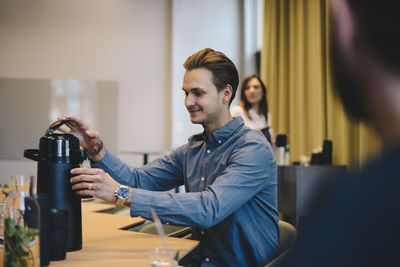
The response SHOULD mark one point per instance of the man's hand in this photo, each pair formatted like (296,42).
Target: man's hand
(94,182)
(88,138)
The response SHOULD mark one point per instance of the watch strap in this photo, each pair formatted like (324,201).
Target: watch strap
(95,150)
(120,201)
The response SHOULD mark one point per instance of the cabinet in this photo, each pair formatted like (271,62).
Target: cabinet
(298,184)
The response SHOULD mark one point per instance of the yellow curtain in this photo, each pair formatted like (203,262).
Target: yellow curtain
(295,68)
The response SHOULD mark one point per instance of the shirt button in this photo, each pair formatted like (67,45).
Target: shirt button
(219,141)
(207,259)
(202,178)
(208,151)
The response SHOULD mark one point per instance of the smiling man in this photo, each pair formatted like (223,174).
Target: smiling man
(202,100)
(208,104)
(229,173)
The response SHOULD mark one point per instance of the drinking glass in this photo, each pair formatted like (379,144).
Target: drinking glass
(161,257)
(21,223)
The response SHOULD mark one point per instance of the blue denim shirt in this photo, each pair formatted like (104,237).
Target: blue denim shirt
(230,199)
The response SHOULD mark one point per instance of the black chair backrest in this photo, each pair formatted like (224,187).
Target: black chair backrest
(287,237)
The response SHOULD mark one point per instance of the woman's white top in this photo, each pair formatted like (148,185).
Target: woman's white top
(257,121)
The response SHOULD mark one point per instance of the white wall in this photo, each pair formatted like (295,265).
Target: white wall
(119,40)
(141,44)
(126,41)
(197,25)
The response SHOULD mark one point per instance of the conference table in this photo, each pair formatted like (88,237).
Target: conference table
(106,242)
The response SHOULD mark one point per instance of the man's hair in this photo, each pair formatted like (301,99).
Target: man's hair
(378,21)
(223,70)
(263,106)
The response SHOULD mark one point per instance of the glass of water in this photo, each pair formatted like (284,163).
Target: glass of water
(163,257)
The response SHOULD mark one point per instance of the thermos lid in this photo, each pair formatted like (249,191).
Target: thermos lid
(55,146)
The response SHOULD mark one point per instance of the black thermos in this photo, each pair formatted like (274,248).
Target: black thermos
(57,155)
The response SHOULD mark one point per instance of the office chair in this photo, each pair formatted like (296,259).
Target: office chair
(287,236)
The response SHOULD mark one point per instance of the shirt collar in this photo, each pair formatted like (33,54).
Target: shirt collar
(221,134)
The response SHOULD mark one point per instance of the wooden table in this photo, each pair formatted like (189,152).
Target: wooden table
(105,244)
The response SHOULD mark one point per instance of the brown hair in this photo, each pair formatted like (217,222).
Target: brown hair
(223,70)
(263,108)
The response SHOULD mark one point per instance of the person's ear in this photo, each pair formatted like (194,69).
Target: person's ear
(227,93)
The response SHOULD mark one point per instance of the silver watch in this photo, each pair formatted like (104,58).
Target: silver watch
(121,194)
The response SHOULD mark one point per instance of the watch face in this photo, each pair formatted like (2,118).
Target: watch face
(123,192)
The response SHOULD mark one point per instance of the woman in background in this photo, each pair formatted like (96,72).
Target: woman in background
(253,106)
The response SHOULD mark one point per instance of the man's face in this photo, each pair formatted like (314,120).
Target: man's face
(203,102)
(349,86)
(347,78)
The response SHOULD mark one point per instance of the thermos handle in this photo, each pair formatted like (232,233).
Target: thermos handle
(53,127)
(32,154)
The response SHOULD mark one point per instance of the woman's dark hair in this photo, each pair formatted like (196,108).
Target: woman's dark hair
(222,68)
(263,107)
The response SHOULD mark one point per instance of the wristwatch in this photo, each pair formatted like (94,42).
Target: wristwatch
(95,150)
(121,194)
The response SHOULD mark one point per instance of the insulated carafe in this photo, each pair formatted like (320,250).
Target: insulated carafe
(56,156)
